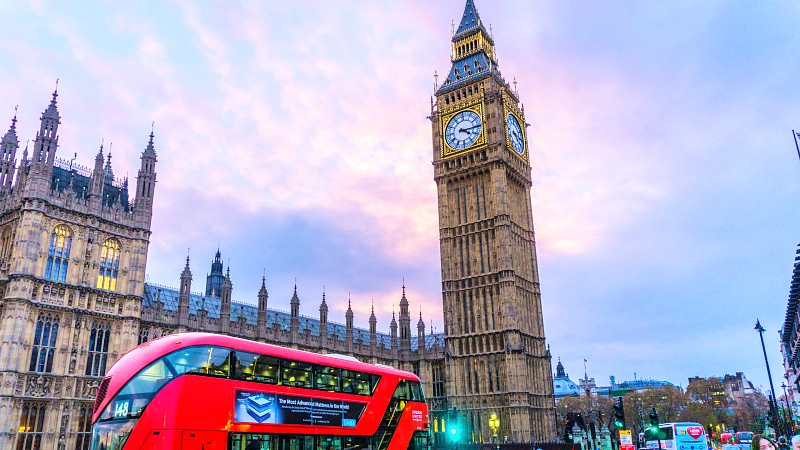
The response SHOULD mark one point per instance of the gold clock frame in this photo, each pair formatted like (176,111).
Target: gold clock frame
(446,151)
(521,119)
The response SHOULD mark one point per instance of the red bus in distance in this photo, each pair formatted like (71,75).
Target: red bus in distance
(212,392)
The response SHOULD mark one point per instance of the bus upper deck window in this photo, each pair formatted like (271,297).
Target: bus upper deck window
(245,365)
(295,373)
(213,361)
(267,368)
(327,378)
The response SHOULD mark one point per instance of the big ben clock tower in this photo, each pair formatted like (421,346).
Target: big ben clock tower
(498,361)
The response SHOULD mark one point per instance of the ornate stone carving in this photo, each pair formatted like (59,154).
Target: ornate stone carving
(38,386)
(89,389)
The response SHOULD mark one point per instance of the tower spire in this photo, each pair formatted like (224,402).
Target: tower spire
(470,19)
(8,151)
(473,54)
(146,180)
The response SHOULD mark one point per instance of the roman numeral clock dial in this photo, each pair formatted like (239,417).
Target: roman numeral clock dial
(463,130)
(515,134)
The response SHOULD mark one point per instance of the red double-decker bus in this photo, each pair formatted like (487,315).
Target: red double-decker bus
(211,392)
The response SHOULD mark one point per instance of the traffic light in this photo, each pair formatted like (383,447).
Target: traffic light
(619,414)
(568,424)
(652,429)
(453,424)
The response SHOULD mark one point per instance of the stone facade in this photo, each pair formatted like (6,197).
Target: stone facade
(73,252)
(497,359)
(790,335)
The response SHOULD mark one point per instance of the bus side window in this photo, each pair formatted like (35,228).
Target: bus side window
(356,382)
(295,373)
(266,370)
(213,361)
(245,365)
(326,378)
(415,392)
(374,380)
(401,392)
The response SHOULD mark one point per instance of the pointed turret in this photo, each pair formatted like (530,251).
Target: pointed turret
(44,150)
(183,300)
(323,310)
(225,302)
(146,182)
(97,176)
(373,327)
(39,176)
(294,305)
(393,331)
(108,172)
(323,322)
(22,169)
(263,297)
(348,332)
(348,316)
(560,372)
(405,322)
(216,277)
(8,150)
(420,333)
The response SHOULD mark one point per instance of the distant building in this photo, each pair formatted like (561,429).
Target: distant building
(562,385)
(737,387)
(587,385)
(790,333)
(732,388)
(615,389)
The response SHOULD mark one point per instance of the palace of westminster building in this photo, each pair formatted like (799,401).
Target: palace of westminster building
(73,296)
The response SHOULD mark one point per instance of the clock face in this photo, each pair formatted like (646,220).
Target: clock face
(515,134)
(463,130)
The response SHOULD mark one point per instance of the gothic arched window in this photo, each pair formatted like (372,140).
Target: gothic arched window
(144,334)
(44,344)
(98,349)
(109,265)
(58,254)
(31,426)
(84,434)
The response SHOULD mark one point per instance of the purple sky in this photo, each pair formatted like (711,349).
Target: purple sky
(293,135)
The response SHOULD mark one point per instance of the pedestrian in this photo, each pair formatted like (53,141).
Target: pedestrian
(254,445)
(761,442)
(796,442)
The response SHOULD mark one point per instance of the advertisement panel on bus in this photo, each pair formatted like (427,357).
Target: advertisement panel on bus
(678,436)
(261,407)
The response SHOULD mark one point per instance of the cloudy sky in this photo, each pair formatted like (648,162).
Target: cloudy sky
(293,135)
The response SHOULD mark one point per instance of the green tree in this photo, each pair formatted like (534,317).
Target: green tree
(750,413)
(668,402)
(709,392)
(592,408)
(701,413)
(635,412)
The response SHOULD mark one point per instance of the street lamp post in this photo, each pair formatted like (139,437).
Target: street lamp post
(788,409)
(494,425)
(761,330)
